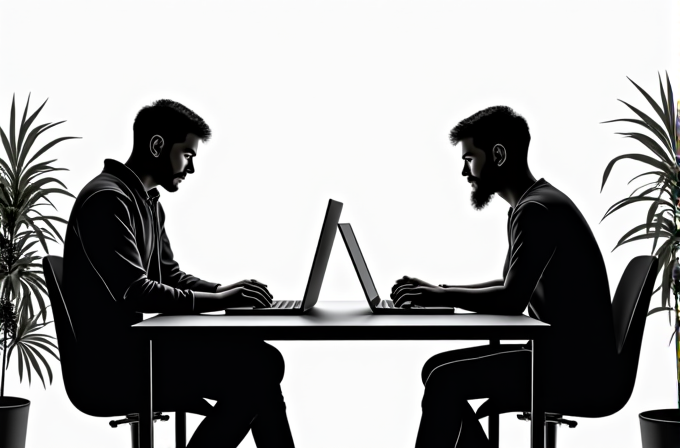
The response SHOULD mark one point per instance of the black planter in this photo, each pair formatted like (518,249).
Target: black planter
(660,428)
(13,422)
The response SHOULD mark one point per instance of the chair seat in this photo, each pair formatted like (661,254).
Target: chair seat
(491,407)
(494,406)
(92,392)
(119,408)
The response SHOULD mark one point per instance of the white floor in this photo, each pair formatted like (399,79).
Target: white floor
(359,394)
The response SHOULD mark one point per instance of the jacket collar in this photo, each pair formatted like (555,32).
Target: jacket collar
(130,179)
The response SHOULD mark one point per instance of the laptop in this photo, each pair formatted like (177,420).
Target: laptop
(378,306)
(321,256)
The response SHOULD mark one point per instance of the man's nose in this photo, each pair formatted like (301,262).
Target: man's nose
(190,167)
(466,170)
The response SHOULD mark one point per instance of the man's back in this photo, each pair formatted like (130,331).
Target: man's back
(118,264)
(573,291)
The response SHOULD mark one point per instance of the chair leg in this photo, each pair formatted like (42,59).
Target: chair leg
(550,434)
(494,427)
(134,432)
(494,430)
(180,429)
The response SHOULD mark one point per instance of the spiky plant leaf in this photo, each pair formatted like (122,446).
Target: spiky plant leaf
(654,127)
(651,144)
(665,168)
(27,343)
(662,113)
(27,183)
(663,217)
(648,173)
(658,309)
(628,201)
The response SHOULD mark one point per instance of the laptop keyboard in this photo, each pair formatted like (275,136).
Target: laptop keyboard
(286,304)
(386,304)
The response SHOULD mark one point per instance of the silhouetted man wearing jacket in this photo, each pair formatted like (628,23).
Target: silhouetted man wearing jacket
(118,264)
(554,266)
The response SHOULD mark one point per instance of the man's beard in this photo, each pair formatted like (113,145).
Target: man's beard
(166,178)
(481,195)
(169,182)
(485,189)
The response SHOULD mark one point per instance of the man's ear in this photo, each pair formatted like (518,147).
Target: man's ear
(500,155)
(156,145)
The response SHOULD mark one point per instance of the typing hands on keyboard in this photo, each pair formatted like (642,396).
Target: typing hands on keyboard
(286,304)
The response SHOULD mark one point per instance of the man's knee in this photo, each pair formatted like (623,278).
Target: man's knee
(441,395)
(434,369)
(270,364)
(278,366)
(427,370)
(442,383)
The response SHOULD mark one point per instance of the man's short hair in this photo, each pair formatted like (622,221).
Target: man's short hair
(169,119)
(493,125)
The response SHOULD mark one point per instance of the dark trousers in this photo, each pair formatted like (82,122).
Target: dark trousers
(452,378)
(244,378)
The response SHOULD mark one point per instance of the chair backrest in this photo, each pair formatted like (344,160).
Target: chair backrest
(629,310)
(53,268)
(81,393)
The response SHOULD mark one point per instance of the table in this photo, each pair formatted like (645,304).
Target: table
(348,321)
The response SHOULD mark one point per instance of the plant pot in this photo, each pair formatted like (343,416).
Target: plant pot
(13,422)
(660,428)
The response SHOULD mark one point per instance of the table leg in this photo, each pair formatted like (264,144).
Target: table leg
(494,427)
(146,413)
(180,429)
(537,402)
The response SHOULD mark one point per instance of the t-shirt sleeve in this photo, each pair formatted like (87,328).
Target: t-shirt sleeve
(171,274)
(107,233)
(532,246)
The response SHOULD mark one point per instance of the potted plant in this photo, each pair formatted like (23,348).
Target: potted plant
(24,189)
(659,428)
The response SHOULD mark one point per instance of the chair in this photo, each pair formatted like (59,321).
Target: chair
(629,312)
(70,359)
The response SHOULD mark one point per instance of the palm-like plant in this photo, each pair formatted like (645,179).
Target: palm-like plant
(663,216)
(23,190)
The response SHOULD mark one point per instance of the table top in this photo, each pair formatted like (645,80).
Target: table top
(344,320)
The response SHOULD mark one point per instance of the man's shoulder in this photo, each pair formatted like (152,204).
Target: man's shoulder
(546,196)
(544,202)
(103,187)
(551,207)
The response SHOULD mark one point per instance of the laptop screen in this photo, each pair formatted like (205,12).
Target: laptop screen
(359,263)
(322,254)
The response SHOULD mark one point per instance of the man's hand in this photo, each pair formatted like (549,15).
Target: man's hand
(250,285)
(410,282)
(420,295)
(245,295)
(405,280)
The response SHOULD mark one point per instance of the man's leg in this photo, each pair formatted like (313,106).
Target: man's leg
(270,427)
(244,378)
(233,417)
(452,378)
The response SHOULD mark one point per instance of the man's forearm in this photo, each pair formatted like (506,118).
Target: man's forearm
(488,284)
(205,302)
(489,300)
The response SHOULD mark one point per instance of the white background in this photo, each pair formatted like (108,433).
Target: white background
(353,101)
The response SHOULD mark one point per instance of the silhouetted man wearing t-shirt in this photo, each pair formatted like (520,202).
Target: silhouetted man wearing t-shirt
(554,267)
(118,264)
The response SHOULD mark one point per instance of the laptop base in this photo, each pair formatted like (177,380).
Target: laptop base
(387,307)
(414,311)
(278,308)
